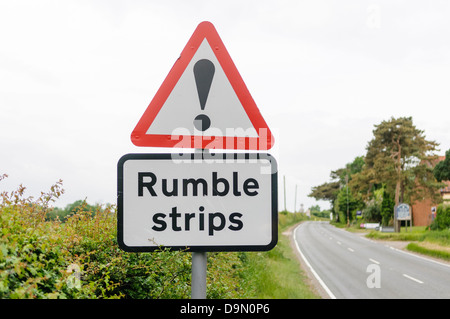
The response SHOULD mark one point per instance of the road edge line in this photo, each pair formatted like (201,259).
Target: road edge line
(426,258)
(324,286)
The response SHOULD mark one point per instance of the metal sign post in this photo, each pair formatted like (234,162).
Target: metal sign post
(198,276)
(199,265)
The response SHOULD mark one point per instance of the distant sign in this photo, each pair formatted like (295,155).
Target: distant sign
(403,212)
(358,214)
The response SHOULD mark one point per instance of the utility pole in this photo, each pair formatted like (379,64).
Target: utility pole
(284,183)
(348,217)
(295,201)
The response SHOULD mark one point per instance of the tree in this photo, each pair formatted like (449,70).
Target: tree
(400,158)
(325,191)
(71,209)
(330,191)
(348,171)
(314,209)
(442,169)
(347,204)
(387,208)
(372,211)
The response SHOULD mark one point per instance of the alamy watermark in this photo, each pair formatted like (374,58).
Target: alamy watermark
(374,279)
(373,20)
(74,279)
(248,145)
(215,138)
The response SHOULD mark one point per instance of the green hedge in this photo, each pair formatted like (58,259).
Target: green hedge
(80,258)
(442,220)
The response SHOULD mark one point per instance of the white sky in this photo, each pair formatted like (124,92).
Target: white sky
(76,76)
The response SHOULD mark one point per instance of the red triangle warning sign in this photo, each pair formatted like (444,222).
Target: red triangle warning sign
(203,102)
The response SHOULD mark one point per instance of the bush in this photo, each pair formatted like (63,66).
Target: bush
(442,220)
(33,259)
(80,258)
(63,214)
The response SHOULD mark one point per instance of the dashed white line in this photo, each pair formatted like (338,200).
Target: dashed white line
(339,243)
(374,261)
(412,278)
(352,250)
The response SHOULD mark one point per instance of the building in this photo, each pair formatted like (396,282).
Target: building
(424,211)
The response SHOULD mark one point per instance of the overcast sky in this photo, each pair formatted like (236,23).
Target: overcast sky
(76,76)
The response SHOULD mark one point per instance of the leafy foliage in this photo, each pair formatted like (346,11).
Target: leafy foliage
(347,202)
(43,257)
(372,211)
(442,220)
(399,157)
(63,214)
(331,191)
(398,162)
(442,169)
(387,208)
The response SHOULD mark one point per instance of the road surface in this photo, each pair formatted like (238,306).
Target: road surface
(350,266)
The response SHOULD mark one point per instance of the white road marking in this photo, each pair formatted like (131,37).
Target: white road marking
(374,261)
(412,278)
(350,249)
(324,286)
(418,256)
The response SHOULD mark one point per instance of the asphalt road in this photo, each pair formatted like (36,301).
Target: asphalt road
(350,266)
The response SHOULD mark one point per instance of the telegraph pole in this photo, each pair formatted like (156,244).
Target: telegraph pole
(348,217)
(295,201)
(284,183)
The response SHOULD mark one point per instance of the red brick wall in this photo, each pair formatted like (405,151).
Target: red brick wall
(421,212)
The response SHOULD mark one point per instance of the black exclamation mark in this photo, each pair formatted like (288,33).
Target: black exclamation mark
(203,73)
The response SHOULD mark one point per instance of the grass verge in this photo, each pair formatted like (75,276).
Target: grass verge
(433,252)
(276,274)
(434,243)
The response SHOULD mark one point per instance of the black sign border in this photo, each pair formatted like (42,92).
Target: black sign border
(194,156)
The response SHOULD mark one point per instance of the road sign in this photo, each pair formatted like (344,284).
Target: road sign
(403,212)
(358,214)
(199,202)
(203,103)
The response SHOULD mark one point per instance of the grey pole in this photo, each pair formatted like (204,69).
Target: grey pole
(198,276)
(199,265)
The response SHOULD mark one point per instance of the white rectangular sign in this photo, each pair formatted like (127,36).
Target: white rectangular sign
(403,212)
(198,202)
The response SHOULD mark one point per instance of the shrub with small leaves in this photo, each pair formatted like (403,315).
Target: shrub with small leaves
(78,257)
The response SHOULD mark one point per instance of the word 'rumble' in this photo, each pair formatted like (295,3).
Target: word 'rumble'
(219,186)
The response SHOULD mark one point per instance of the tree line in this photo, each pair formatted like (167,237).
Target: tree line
(62,214)
(400,166)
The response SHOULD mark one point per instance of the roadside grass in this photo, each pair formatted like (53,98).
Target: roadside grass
(434,243)
(276,274)
(417,233)
(430,250)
